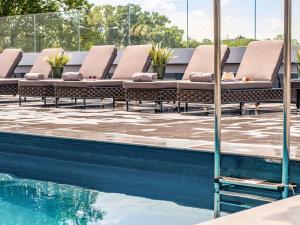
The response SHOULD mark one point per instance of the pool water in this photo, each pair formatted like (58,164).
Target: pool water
(30,202)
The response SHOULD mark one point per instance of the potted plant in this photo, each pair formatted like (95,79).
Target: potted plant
(160,56)
(298,62)
(57,63)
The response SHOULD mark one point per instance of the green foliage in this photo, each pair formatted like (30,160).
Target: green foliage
(298,56)
(59,60)
(160,55)
(21,7)
(238,41)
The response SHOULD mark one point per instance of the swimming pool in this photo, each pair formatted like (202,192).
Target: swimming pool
(133,184)
(30,202)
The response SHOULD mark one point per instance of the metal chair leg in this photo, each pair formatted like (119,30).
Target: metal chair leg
(127,105)
(20,100)
(45,101)
(113,103)
(179,110)
(84,103)
(56,102)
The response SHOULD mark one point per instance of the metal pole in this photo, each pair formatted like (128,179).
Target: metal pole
(287,96)
(255,19)
(79,33)
(129,24)
(187,23)
(218,111)
(34,32)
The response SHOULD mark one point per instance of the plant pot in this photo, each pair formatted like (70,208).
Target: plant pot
(160,70)
(57,72)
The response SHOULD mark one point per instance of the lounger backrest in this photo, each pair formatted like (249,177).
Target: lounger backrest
(203,60)
(134,59)
(98,61)
(261,61)
(9,60)
(40,65)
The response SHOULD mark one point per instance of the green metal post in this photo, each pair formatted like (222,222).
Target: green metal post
(287,97)
(217,100)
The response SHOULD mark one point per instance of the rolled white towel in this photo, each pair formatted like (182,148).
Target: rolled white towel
(201,77)
(34,76)
(144,77)
(72,76)
(228,76)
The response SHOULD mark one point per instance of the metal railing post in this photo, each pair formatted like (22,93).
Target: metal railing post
(217,100)
(287,96)
(34,33)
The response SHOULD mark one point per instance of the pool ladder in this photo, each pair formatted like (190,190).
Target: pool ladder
(236,190)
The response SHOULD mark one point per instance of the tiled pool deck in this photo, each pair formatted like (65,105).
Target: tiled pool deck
(254,133)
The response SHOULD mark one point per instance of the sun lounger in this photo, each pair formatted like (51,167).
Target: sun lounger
(96,64)
(9,60)
(166,91)
(134,59)
(260,64)
(39,88)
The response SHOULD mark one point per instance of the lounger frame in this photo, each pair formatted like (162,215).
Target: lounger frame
(9,89)
(42,92)
(155,95)
(231,96)
(116,93)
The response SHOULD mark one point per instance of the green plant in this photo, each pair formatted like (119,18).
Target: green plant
(160,56)
(298,57)
(59,60)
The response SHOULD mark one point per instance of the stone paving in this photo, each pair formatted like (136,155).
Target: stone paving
(257,132)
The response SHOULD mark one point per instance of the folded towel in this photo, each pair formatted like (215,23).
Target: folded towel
(144,77)
(72,76)
(34,76)
(228,76)
(201,77)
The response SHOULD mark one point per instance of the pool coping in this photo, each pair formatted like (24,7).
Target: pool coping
(282,212)
(266,157)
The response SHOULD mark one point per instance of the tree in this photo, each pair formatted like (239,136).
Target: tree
(21,7)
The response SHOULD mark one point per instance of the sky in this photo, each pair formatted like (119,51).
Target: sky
(237,16)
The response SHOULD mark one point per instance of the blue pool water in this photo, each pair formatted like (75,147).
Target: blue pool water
(30,202)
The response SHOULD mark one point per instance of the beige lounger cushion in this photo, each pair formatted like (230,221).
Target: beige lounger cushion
(9,59)
(40,65)
(89,83)
(187,85)
(8,81)
(203,60)
(261,61)
(150,85)
(36,83)
(98,61)
(133,60)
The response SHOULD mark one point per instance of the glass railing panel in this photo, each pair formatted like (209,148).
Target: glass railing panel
(104,25)
(238,19)
(17,32)
(270,19)
(58,30)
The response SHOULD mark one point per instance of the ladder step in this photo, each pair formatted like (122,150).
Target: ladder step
(238,205)
(262,184)
(248,196)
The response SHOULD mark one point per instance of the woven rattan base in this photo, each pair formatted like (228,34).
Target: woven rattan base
(117,93)
(231,96)
(11,89)
(36,91)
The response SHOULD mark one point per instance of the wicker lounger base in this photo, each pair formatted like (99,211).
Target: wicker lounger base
(43,92)
(156,95)
(116,93)
(11,89)
(231,96)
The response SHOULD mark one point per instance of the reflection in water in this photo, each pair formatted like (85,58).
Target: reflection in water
(33,202)
(29,202)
